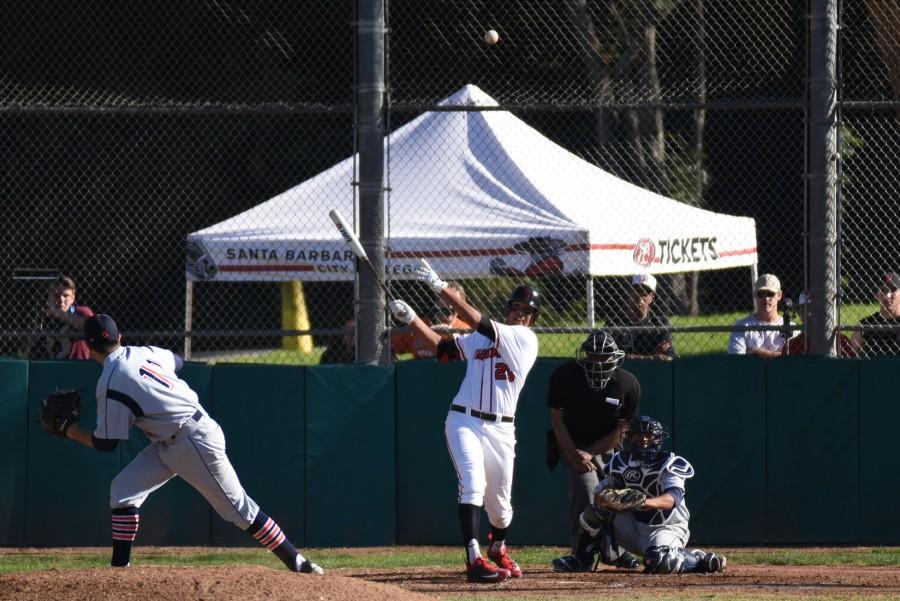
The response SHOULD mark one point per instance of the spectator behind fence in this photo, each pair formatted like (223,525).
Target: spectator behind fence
(644,344)
(799,344)
(762,343)
(342,348)
(442,318)
(882,343)
(61,325)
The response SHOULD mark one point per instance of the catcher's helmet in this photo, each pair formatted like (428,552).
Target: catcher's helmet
(645,438)
(528,295)
(599,356)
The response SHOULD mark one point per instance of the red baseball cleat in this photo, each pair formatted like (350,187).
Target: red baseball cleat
(482,570)
(498,554)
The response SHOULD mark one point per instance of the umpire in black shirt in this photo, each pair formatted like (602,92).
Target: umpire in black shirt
(592,400)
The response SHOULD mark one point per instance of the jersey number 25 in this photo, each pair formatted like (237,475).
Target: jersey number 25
(502,372)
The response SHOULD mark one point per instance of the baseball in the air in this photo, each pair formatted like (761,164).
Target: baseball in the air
(491,37)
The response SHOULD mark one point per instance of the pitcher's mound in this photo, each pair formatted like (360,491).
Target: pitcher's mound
(239,583)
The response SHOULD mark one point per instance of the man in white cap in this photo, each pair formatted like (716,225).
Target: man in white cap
(647,343)
(762,343)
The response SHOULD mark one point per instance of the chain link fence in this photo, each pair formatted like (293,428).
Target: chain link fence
(179,161)
(870,184)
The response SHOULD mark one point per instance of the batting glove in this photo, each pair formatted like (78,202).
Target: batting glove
(402,312)
(425,273)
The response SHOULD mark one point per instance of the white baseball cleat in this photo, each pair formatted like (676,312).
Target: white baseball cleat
(308,567)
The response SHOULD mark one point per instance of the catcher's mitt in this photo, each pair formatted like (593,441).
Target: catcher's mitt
(59,411)
(620,500)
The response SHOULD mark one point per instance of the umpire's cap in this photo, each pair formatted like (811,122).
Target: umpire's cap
(100,329)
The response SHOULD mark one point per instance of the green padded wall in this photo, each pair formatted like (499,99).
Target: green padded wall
(67,498)
(655,378)
(261,410)
(14,432)
(175,514)
(879,416)
(719,426)
(355,455)
(350,456)
(812,445)
(426,480)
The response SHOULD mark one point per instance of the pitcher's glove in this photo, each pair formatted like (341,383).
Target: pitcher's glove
(59,411)
(620,500)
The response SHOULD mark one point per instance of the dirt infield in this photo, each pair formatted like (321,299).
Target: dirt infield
(254,582)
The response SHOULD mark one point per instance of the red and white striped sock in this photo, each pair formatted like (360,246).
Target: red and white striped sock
(125,522)
(269,534)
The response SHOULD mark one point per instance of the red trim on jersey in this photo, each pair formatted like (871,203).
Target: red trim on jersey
(459,347)
(481,387)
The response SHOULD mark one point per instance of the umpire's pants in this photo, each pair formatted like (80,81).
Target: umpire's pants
(581,493)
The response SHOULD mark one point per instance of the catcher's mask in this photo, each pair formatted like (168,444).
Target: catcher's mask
(645,439)
(527,295)
(599,356)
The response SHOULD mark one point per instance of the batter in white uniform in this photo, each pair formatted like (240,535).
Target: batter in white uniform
(139,386)
(480,426)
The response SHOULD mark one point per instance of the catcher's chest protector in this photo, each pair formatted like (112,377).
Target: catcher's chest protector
(653,479)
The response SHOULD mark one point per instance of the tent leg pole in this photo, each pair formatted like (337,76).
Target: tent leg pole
(188,317)
(754,273)
(590,301)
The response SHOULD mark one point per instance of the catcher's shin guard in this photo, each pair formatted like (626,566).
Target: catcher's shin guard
(582,560)
(573,564)
(610,553)
(705,563)
(664,560)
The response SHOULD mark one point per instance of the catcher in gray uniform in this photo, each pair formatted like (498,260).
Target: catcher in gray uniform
(640,506)
(139,386)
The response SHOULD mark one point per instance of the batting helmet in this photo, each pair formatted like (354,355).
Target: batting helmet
(599,356)
(645,439)
(527,295)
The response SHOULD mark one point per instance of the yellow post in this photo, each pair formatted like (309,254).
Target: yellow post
(294,317)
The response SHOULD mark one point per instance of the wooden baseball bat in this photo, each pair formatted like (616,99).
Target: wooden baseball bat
(350,238)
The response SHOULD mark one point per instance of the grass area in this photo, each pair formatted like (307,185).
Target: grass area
(687,344)
(400,557)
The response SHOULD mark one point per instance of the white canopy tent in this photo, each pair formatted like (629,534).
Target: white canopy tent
(470,190)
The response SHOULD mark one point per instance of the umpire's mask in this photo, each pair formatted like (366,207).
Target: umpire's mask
(599,357)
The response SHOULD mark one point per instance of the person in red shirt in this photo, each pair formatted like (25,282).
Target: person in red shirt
(61,324)
(799,344)
(443,319)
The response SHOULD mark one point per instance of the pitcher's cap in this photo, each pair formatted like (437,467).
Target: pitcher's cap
(100,329)
(769,282)
(646,280)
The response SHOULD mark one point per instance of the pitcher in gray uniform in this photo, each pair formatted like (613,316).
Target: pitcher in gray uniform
(139,386)
(658,530)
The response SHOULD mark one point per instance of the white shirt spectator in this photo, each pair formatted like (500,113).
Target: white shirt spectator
(770,340)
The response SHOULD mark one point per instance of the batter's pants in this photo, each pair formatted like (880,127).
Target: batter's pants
(483,454)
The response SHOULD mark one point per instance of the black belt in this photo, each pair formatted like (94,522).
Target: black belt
(488,417)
